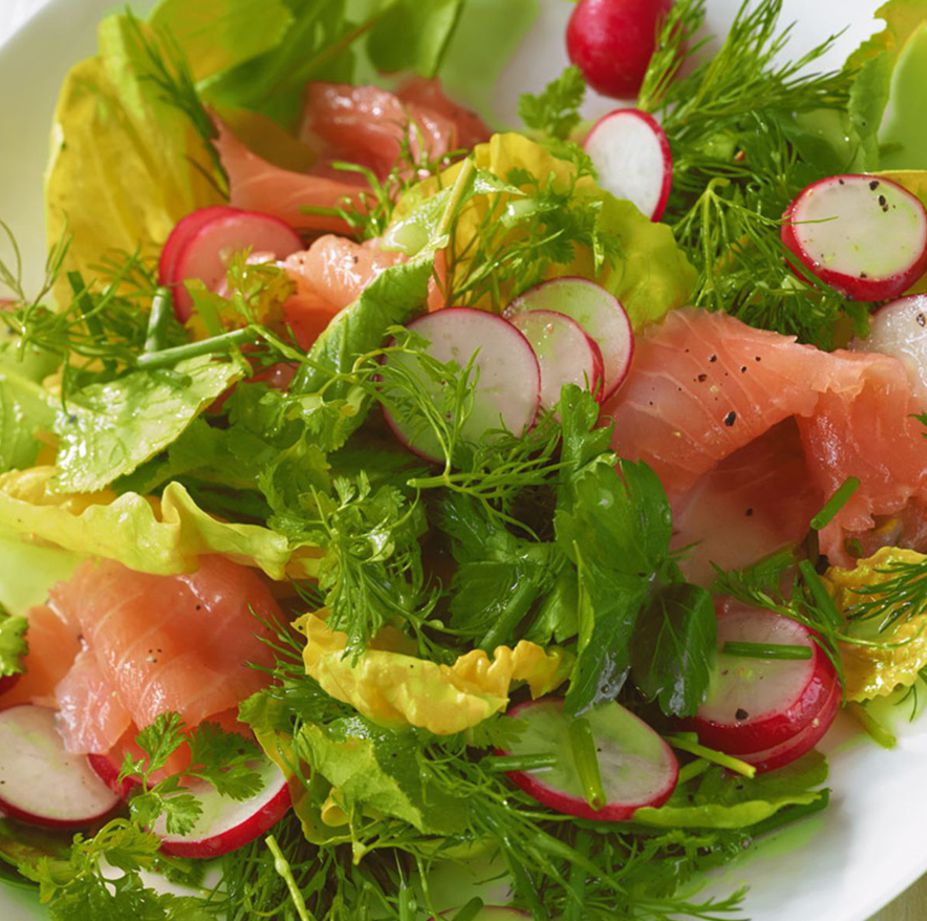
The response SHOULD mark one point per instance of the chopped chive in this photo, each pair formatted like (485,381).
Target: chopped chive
(506,763)
(582,743)
(285,871)
(877,730)
(683,741)
(216,345)
(836,502)
(470,910)
(766,651)
(820,595)
(161,306)
(692,770)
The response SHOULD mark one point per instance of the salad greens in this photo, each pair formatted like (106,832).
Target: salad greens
(429,596)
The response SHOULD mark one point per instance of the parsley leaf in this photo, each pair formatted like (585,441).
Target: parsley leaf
(555,111)
(13,644)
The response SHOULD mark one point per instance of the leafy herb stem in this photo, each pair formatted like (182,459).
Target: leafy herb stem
(688,742)
(283,869)
(582,744)
(767,651)
(222,344)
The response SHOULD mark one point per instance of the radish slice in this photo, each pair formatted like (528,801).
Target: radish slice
(7,682)
(865,236)
(108,771)
(508,391)
(756,704)
(632,157)
(900,329)
(205,251)
(565,353)
(227,824)
(791,750)
(40,782)
(183,231)
(638,768)
(599,313)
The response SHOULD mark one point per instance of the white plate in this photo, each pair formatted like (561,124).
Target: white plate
(844,864)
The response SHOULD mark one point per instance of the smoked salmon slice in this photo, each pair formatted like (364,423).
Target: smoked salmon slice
(704,386)
(161,643)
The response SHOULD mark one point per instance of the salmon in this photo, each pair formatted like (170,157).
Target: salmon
(161,643)
(703,386)
(54,643)
(369,126)
(257,185)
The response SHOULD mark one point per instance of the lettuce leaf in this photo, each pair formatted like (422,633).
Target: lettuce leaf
(25,410)
(13,645)
(162,537)
(28,571)
(125,164)
(395,689)
(108,430)
(722,800)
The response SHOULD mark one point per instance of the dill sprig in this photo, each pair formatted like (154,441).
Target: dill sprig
(897,600)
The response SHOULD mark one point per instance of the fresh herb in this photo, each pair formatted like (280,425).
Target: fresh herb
(897,599)
(555,111)
(766,651)
(13,643)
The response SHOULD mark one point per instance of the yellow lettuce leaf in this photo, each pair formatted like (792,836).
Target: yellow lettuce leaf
(163,536)
(395,689)
(875,671)
(653,274)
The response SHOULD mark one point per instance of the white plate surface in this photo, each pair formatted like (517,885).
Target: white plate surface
(844,864)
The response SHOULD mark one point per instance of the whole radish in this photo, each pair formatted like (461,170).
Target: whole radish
(612,41)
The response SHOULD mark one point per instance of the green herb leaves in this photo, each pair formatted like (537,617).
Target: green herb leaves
(13,645)
(555,111)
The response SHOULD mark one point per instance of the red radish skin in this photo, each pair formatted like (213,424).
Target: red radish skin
(612,41)
(792,749)
(756,704)
(108,772)
(899,329)
(7,683)
(597,311)
(566,355)
(508,392)
(638,768)
(227,825)
(41,783)
(632,156)
(205,252)
(863,235)
(183,231)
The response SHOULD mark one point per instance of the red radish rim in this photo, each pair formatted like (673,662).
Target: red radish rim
(764,732)
(7,683)
(784,753)
(181,233)
(578,807)
(108,772)
(852,286)
(596,383)
(514,307)
(251,827)
(663,141)
(183,302)
(403,439)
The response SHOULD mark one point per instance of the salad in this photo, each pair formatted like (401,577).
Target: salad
(404,517)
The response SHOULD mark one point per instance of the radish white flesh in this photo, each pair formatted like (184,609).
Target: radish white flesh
(792,749)
(900,329)
(755,704)
(183,231)
(227,824)
(637,767)
(632,157)
(863,235)
(40,782)
(205,254)
(597,311)
(508,390)
(565,353)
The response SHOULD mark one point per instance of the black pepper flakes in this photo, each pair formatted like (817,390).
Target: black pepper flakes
(730,418)
(883,203)
(741,715)
(749,512)
(712,358)
(874,184)
(921,319)
(704,377)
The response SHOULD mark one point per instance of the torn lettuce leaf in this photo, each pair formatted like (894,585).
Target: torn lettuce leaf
(13,643)
(393,688)
(108,430)
(163,537)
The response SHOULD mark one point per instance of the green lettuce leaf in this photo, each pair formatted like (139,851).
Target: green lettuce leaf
(162,537)
(25,410)
(107,430)
(405,39)
(375,769)
(13,645)
(723,800)
(28,571)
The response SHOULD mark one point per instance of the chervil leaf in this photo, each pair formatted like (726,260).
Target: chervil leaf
(159,741)
(673,648)
(13,644)
(224,759)
(555,111)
